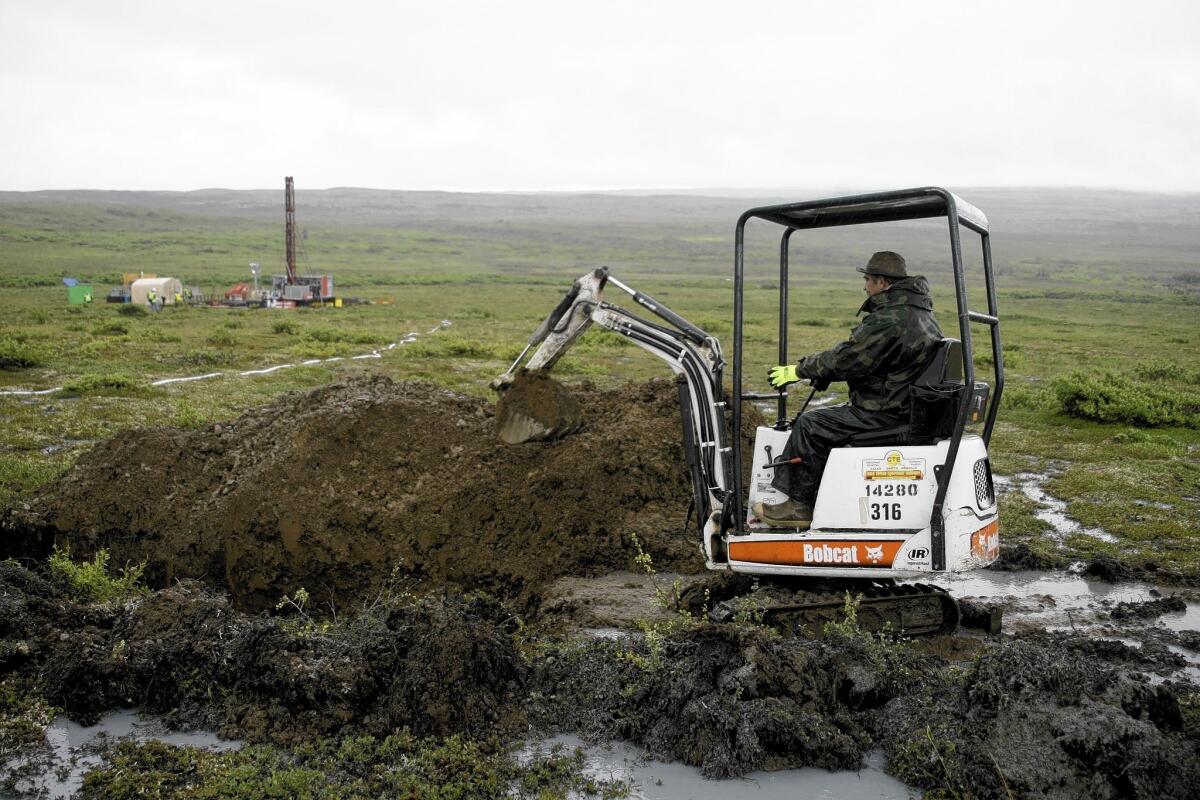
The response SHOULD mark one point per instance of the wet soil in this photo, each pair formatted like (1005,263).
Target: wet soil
(329,489)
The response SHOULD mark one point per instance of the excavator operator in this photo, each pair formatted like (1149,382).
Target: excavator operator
(885,353)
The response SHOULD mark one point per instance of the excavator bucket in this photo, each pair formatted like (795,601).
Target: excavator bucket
(535,407)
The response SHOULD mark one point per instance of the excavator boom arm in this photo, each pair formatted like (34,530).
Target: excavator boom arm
(692,354)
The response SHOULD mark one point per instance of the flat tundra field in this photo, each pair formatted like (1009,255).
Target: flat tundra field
(319,549)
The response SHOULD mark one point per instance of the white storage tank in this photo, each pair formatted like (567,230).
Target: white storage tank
(166,288)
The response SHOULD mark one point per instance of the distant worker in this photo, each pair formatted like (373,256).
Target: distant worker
(152,298)
(880,361)
(87,298)
(179,299)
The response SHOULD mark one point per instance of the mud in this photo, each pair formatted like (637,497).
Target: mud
(1050,716)
(1149,609)
(437,665)
(1021,556)
(726,699)
(329,489)
(1040,714)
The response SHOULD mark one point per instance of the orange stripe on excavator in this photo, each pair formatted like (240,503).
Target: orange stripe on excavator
(817,553)
(985,542)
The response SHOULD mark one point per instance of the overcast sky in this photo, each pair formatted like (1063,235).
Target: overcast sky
(560,95)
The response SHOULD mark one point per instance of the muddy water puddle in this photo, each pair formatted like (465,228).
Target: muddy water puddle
(72,750)
(1059,599)
(655,780)
(1051,510)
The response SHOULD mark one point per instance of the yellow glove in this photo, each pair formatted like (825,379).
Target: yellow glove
(781,376)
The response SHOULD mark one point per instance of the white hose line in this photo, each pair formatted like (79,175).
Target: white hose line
(166,381)
(409,338)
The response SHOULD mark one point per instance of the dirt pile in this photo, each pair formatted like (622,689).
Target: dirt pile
(327,490)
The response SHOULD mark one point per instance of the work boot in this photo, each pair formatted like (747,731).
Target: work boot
(788,514)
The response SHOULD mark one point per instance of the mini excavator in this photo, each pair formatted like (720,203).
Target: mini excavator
(893,506)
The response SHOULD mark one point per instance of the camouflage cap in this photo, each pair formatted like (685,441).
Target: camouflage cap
(887,264)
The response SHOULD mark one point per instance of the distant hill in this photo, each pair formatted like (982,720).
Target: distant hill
(1078,233)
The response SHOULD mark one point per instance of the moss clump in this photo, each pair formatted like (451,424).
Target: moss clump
(348,769)
(24,716)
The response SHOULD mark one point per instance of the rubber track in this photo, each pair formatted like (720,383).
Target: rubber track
(909,609)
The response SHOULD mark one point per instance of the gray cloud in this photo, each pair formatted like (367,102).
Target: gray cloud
(556,95)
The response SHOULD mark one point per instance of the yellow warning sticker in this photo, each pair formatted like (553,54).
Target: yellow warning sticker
(893,467)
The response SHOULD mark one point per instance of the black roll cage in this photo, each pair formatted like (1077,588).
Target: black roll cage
(905,204)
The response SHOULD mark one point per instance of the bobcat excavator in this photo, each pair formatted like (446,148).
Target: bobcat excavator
(893,506)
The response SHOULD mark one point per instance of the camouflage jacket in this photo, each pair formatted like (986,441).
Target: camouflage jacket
(886,352)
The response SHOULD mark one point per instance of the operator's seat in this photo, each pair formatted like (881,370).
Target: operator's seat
(934,407)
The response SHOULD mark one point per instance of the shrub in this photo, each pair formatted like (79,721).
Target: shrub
(1109,397)
(1154,445)
(19,355)
(1012,358)
(205,358)
(1158,369)
(115,328)
(222,338)
(132,310)
(324,335)
(285,326)
(333,336)
(449,346)
(468,348)
(1036,398)
(90,582)
(102,384)
(308,350)
(187,416)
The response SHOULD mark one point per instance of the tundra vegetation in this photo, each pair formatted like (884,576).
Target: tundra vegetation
(1099,298)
